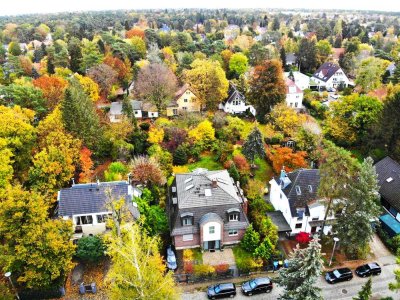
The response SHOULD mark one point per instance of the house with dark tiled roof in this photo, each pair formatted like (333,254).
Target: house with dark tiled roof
(330,76)
(295,196)
(388,171)
(85,205)
(206,209)
(185,100)
(140,109)
(236,102)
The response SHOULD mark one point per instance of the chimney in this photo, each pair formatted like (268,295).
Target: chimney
(73,181)
(214,183)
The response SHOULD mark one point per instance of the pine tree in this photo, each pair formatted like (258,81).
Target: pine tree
(361,205)
(79,115)
(234,173)
(299,279)
(366,291)
(254,146)
(180,156)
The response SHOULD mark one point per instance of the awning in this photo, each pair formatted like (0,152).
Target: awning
(390,224)
(279,220)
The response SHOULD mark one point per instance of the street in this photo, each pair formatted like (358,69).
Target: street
(344,290)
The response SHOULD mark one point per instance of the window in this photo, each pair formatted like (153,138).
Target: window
(299,225)
(185,100)
(296,104)
(175,111)
(187,237)
(84,220)
(315,218)
(101,218)
(187,92)
(184,108)
(298,190)
(136,112)
(187,221)
(232,232)
(211,230)
(300,214)
(233,217)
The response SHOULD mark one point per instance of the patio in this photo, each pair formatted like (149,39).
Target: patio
(219,257)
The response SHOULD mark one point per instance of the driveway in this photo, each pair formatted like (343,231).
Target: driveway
(219,257)
(340,291)
(382,254)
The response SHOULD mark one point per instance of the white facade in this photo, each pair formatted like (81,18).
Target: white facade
(334,81)
(281,203)
(294,99)
(212,231)
(301,80)
(91,224)
(152,114)
(138,113)
(237,106)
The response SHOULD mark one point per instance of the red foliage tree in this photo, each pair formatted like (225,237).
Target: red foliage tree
(122,68)
(174,137)
(303,237)
(147,171)
(284,156)
(135,31)
(241,163)
(53,88)
(86,165)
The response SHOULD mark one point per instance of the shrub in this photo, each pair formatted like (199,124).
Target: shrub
(144,126)
(180,156)
(245,261)
(222,268)
(188,267)
(234,173)
(254,189)
(303,237)
(251,239)
(264,250)
(188,255)
(204,270)
(90,249)
(241,163)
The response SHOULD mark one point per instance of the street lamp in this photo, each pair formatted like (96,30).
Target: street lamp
(8,275)
(335,239)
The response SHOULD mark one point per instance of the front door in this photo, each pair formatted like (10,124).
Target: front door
(211,245)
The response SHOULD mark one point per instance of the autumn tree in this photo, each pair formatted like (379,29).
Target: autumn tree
(254,146)
(369,74)
(121,67)
(203,134)
(138,270)
(86,165)
(156,135)
(135,31)
(266,87)
(238,63)
(324,51)
(284,156)
(147,171)
(208,79)
(286,119)
(79,114)
(157,84)
(90,87)
(38,251)
(104,76)
(52,88)
(6,169)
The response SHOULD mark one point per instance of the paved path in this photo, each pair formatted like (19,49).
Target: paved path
(339,291)
(219,257)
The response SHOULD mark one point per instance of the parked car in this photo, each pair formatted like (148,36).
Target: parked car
(257,286)
(221,290)
(368,270)
(171,259)
(338,275)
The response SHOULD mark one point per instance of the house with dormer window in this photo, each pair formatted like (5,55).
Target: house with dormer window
(294,196)
(330,76)
(236,102)
(206,209)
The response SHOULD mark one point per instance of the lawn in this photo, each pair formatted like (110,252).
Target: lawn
(206,161)
(264,172)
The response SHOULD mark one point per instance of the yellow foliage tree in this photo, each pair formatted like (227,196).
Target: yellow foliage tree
(90,87)
(203,134)
(286,119)
(156,135)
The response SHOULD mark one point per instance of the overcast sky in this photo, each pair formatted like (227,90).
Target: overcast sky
(13,7)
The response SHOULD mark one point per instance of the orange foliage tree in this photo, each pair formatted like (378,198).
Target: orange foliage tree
(122,68)
(241,163)
(284,156)
(135,31)
(86,164)
(53,89)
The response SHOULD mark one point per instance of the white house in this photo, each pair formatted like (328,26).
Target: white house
(330,76)
(294,95)
(85,205)
(300,79)
(235,103)
(141,109)
(295,196)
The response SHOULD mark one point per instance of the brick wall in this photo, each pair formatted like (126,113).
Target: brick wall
(233,239)
(181,244)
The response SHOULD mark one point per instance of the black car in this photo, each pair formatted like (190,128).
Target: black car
(339,275)
(222,290)
(256,286)
(368,270)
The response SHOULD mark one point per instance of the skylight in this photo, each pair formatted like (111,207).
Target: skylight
(298,190)
(207,192)
(390,179)
(189,187)
(189,179)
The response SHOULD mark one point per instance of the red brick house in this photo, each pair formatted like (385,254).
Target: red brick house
(206,209)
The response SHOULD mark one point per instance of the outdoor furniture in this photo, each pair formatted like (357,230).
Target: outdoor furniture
(87,288)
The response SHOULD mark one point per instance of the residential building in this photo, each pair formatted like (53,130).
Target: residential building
(291,59)
(300,79)
(206,209)
(85,205)
(185,100)
(141,109)
(388,171)
(330,76)
(294,95)
(294,194)
(235,103)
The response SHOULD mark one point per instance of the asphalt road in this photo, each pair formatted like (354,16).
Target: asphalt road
(340,291)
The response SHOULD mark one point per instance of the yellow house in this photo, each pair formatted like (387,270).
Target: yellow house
(185,101)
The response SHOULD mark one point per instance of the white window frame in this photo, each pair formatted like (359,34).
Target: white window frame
(233,232)
(233,217)
(187,237)
(84,217)
(187,221)
(211,230)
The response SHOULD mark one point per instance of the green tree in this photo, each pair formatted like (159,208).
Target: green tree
(234,173)
(208,79)
(14,49)
(75,52)
(38,251)
(266,87)
(79,115)
(180,156)
(307,55)
(360,206)
(253,146)
(90,249)
(366,291)
(250,240)
(324,50)
(299,279)
(238,64)
(138,270)
(370,72)
(91,56)
(264,250)
(336,171)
